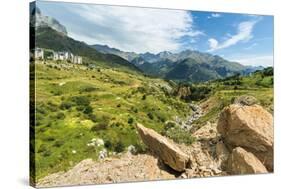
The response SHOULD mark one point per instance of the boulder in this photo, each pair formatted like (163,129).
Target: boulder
(242,162)
(250,127)
(165,149)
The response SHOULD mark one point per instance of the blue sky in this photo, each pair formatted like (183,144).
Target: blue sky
(247,39)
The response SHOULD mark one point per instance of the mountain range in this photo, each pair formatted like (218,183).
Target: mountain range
(187,65)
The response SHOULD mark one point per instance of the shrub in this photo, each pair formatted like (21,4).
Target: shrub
(108,144)
(119,147)
(92,117)
(58,143)
(169,125)
(88,110)
(130,120)
(135,110)
(150,115)
(99,126)
(81,100)
(66,105)
(47,153)
(60,115)
(87,89)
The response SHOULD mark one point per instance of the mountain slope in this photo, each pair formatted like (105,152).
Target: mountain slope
(46,37)
(107,50)
(188,65)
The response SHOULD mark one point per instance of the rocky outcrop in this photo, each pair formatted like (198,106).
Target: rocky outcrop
(242,162)
(126,168)
(245,100)
(249,127)
(163,148)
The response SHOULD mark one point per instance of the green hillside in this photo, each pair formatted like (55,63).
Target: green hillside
(75,104)
(46,37)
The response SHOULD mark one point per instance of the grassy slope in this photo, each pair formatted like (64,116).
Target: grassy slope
(224,93)
(115,97)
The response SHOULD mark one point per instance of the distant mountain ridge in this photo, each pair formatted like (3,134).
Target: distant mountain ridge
(187,65)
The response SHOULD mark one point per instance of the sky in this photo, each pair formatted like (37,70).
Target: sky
(245,38)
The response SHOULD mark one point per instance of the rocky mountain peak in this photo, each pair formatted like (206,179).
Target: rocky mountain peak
(37,19)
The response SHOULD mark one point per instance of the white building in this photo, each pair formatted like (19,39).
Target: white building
(39,53)
(64,55)
(77,60)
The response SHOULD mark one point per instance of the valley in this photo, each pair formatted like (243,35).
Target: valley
(76,104)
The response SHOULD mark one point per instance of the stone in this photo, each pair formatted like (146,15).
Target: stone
(222,154)
(245,100)
(242,162)
(249,127)
(163,148)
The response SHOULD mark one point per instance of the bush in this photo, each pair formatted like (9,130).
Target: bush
(88,89)
(130,120)
(150,115)
(135,110)
(169,125)
(108,144)
(88,110)
(99,126)
(81,100)
(93,117)
(58,143)
(119,147)
(47,153)
(60,115)
(66,105)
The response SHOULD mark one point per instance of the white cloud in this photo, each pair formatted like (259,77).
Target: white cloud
(256,60)
(244,33)
(214,15)
(213,43)
(133,29)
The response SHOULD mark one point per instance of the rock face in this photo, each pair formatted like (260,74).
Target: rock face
(166,150)
(249,127)
(242,162)
(222,154)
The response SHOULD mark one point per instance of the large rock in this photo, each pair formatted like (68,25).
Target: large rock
(166,150)
(250,127)
(242,162)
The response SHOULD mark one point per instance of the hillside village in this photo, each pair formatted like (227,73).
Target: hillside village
(43,54)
